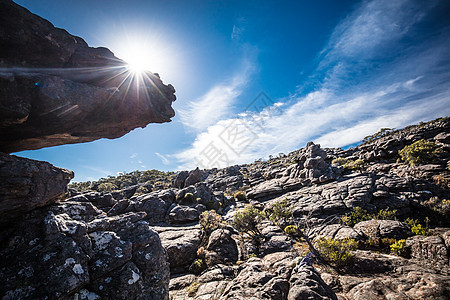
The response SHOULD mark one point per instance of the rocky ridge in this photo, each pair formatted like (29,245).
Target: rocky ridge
(128,245)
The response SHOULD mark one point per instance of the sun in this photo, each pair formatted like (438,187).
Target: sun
(139,59)
(145,54)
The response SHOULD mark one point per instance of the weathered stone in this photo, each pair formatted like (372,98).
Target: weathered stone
(430,250)
(183,214)
(56,252)
(83,93)
(378,229)
(306,283)
(27,184)
(221,242)
(181,244)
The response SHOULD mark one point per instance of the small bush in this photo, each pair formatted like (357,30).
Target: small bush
(291,230)
(336,252)
(442,180)
(280,211)
(398,247)
(107,187)
(339,161)
(240,196)
(142,190)
(192,289)
(355,165)
(441,207)
(419,152)
(386,214)
(189,197)
(210,221)
(247,219)
(349,164)
(417,228)
(355,216)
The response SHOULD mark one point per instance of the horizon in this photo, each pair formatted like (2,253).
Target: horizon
(249,85)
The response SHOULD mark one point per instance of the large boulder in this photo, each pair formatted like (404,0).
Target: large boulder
(70,250)
(55,89)
(27,184)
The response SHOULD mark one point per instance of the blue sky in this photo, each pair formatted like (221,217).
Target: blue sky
(256,78)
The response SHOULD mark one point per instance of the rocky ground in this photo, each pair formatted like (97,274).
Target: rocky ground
(134,245)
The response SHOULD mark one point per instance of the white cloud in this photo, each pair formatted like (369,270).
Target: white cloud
(163,158)
(134,155)
(350,103)
(218,102)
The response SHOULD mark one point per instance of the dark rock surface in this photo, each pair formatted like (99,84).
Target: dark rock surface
(73,248)
(27,184)
(55,89)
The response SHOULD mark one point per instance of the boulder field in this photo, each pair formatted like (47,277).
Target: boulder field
(130,244)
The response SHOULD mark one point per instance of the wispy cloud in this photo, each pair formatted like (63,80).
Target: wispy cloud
(99,171)
(163,158)
(133,156)
(376,71)
(218,102)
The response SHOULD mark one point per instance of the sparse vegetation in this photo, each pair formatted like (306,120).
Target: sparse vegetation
(189,197)
(150,178)
(417,228)
(106,187)
(210,221)
(291,230)
(281,211)
(349,164)
(192,289)
(355,216)
(240,196)
(381,133)
(386,214)
(247,219)
(358,215)
(336,252)
(419,152)
(398,247)
(441,207)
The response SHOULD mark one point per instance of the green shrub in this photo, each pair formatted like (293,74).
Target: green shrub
(417,228)
(386,214)
(355,165)
(210,221)
(189,197)
(419,152)
(280,211)
(198,263)
(339,161)
(336,252)
(193,288)
(349,164)
(398,247)
(240,195)
(291,230)
(247,219)
(106,187)
(355,216)
(441,207)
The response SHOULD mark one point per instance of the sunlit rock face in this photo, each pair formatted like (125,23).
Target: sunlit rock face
(55,89)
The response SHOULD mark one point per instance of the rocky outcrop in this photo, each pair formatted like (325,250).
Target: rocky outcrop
(55,89)
(28,184)
(72,249)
